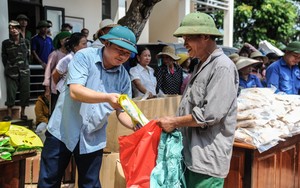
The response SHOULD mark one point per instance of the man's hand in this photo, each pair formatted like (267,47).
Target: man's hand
(112,99)
(168,124)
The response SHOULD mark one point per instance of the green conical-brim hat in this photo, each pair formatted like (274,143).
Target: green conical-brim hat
(294,47)
(197,23)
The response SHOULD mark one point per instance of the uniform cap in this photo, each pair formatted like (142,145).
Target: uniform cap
(294,47)
(123,37)
(43,23)
(197,23)
(22,17)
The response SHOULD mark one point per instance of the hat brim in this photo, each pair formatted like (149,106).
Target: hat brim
(296,50)
(173,56)
(196,30)
(252,63)
(120,43)
(38,27)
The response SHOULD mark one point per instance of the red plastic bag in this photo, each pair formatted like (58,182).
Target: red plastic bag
(138,153)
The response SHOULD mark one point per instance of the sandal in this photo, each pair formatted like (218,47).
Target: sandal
(7,118)
(24,117)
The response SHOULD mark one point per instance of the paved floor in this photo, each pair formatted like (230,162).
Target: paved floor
(62,186)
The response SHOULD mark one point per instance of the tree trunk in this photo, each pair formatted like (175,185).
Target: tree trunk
(137,15)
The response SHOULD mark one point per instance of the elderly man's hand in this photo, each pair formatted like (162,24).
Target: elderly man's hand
(168,124)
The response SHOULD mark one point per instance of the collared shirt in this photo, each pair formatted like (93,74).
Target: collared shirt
(73,121)
(15,58)
(42,46)
(147,78)
(211,98)
(252,81)
(283,78)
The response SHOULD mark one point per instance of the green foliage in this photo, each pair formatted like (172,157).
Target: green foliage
(256,20)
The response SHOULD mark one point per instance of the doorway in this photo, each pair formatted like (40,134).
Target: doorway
(33,9)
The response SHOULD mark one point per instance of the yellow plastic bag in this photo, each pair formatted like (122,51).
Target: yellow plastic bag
(132,110)
(21,136)
(4,126)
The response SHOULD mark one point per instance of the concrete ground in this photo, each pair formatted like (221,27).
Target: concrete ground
(62,186)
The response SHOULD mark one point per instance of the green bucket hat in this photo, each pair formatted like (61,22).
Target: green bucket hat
(22,17)
(197,23)
(121,36)
(293,47)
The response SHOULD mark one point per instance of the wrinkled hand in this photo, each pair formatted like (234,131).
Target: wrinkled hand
(168,124)
(113,100)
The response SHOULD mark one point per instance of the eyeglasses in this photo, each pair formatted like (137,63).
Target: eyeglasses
(296,55)
(120,51)
(190,37)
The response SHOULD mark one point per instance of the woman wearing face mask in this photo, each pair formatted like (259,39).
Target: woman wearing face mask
(142,76)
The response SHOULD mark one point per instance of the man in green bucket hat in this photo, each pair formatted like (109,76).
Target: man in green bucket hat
(284,74)
(78,123)
(207,112)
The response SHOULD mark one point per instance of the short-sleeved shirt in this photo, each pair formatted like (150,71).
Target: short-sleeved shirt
(73,121)
(253,81)
(62,69)
(284,78)
(167,82)
(147,78)
(42,46)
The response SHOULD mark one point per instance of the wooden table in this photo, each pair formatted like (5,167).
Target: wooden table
(12,173)
(278,167)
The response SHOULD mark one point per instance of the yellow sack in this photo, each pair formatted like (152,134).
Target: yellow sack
(21,136)
(4,126)
(132,110)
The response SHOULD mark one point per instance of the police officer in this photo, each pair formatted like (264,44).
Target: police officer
(15,58)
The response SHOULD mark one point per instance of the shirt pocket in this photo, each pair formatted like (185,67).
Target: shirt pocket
(196,92)
(95,116)
(286,83)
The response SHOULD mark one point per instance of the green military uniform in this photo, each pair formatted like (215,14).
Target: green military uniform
(15,58)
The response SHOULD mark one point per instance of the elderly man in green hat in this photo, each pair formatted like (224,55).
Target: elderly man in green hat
(207,112)
(284,74)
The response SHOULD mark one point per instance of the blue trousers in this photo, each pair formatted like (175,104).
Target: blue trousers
(55,158)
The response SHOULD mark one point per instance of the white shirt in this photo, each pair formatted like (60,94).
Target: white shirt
(62,69)
(97,44)
(147,78)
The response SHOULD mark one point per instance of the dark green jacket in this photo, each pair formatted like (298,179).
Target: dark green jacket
(15,58)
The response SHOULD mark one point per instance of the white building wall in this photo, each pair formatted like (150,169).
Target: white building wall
(3,35)
(90,10)
(164,20)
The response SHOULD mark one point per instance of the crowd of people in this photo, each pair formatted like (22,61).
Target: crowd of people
(84,78)
(280,72)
